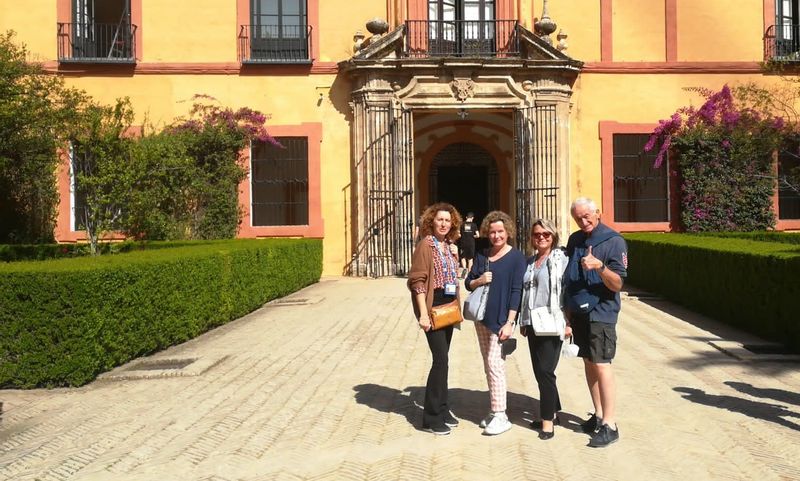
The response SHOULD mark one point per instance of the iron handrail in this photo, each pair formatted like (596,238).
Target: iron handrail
(96,42)
(782,43)
(462,38)
(273,43)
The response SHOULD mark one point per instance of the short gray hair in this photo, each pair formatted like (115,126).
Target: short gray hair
(583,201)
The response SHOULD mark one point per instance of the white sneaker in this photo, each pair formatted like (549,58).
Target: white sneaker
(486,420)
(498,425)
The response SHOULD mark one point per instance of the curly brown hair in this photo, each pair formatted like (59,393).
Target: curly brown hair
(426,223)
(499,216)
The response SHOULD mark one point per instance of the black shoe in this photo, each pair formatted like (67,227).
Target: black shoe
(545,435)
(537,424)
(437,430)
(591,425)
(450,420)
(604,437)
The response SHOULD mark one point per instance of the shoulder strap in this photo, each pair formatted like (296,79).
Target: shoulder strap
(597,239)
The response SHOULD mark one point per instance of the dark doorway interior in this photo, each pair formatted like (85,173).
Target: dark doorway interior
(465,187)
(465,175)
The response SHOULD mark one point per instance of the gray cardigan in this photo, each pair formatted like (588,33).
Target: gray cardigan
(556,265)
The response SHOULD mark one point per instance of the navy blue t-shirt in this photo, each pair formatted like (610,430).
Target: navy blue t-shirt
(505,290)
(609,247)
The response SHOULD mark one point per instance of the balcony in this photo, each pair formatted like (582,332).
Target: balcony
(96,42)
(462,38)
(275,44)
(782,44)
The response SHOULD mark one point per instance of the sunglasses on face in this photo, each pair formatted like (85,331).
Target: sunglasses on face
(542,235)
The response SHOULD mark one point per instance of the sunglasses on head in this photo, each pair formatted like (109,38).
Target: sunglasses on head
(543,235)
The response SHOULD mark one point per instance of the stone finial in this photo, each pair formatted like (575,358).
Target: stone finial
(545,25)
(377,26)
(358,40)
(562,40)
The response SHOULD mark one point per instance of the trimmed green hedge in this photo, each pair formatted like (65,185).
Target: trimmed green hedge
(39,252)
(765,236)
(64,321)
(749,284)
(26,252)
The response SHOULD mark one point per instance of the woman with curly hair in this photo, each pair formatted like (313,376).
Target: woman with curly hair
(433,281)
(502,267)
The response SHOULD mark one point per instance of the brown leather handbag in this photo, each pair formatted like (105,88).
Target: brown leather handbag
(446,314)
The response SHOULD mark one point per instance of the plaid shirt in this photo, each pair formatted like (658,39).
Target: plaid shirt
(441,274)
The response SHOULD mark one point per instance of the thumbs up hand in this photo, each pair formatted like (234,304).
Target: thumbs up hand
(589,262)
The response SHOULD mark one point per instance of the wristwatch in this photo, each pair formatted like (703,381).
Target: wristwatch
(602,268)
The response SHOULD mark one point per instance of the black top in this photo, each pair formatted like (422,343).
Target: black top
(468,230)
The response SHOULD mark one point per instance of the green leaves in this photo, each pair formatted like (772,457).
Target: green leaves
(36,112)
(724,156)
(62,322)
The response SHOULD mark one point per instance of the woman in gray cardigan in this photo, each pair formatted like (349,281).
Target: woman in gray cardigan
(542,295)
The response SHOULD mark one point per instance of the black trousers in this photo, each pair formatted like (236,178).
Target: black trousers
(436,406)
(545,353)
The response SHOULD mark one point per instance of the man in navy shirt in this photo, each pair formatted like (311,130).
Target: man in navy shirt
(598,262)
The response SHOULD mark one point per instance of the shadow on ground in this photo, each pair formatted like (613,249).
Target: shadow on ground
(774,413)
(717,329)
(468,405)
(769,393)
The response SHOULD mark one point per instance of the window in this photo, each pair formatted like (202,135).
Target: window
(641,193)
(787,37)
(77,158)
(279,31)
(279,183)
(788,196)
(461,27)
(99,31)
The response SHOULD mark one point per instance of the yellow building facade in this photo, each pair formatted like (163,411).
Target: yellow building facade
(390,105)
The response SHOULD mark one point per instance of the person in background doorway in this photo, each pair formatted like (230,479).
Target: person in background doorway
(433,281)
(469,232)
(502,267)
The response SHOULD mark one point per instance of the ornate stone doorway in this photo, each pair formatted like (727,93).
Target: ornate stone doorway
(523,94)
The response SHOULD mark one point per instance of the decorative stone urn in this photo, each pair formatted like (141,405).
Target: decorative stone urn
(377,26)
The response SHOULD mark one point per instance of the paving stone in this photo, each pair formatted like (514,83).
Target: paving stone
(328,385)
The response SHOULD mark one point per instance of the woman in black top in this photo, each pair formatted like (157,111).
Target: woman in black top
(433,281)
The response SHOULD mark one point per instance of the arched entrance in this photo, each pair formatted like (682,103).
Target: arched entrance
(465,175)
(398,100)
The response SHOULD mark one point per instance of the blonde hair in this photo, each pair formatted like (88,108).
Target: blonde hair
(499,216)
(547,226)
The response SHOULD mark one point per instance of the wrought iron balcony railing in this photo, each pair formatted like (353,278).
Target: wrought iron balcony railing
(96,42)
(462,38)
(275,44)
(782,43)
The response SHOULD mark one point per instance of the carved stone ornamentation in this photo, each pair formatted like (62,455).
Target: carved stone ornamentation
(562,40)
(358,40)
(377,26)
(545,26)
(463,88)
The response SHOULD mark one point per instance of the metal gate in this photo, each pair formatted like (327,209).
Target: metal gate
(536,154)
(390,208)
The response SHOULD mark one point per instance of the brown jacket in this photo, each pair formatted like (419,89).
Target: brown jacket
(421,274)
